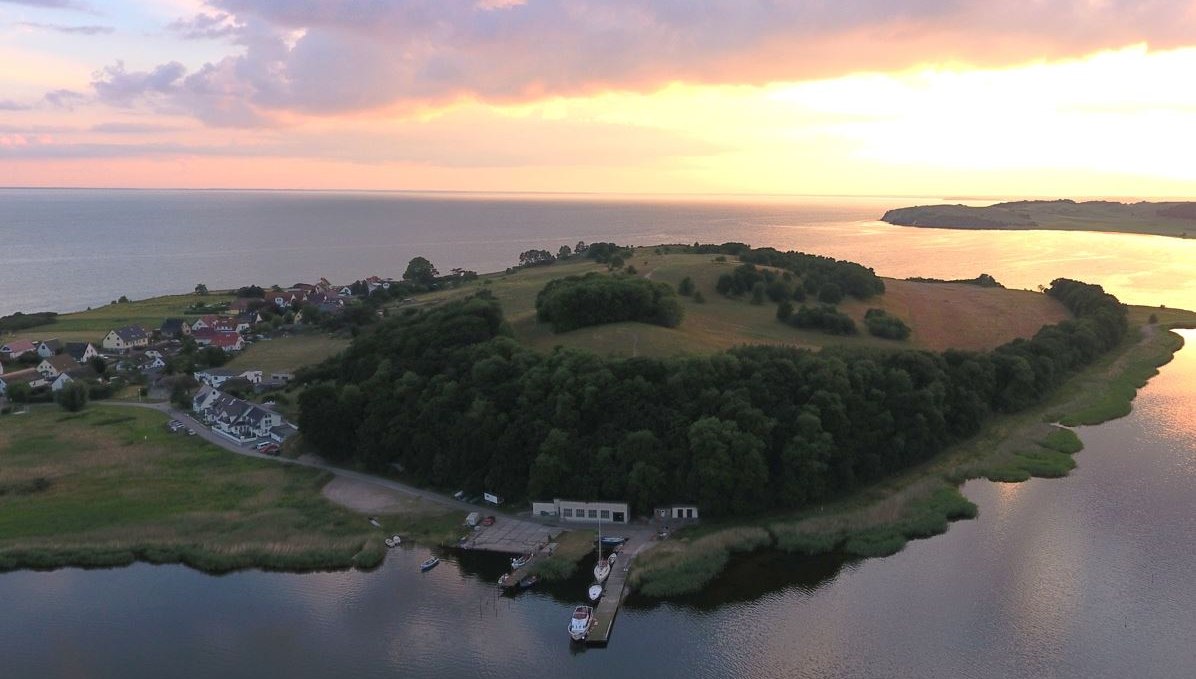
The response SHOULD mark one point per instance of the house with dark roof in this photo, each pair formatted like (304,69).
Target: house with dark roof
(174,328)
(48,348)
(27,376)
(128,337)
(56,365)
(82,352)
(232,417)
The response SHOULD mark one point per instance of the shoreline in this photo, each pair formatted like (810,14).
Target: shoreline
(920,503)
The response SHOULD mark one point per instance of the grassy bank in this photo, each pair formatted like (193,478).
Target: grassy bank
(107,487)
(93,324)
(288,354)
(572,547)
(881,519)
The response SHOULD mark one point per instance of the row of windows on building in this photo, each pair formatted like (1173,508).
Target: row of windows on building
(581,513)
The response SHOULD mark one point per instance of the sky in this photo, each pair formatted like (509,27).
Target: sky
(953,98)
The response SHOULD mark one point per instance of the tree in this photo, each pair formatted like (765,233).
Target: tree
(830,293)
(564,253)
(699,297)
(616,263)
(758,293)
(686,287)
(784,310)
(251,291)
(420,270)
(535,258)
(201,289)
(20,393)
(98,364)
(124,299)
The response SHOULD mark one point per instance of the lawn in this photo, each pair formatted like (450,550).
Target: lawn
(93,324)
(287,354)
(941,315)
(111,485)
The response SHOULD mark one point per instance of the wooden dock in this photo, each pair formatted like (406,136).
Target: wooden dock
(615,589)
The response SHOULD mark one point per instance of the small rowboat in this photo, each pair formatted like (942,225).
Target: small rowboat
(521,561)
(504,580)
(529,581)
(595,592)
(393,541)
(429,564)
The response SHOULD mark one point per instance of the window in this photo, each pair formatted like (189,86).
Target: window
(567,512)
(593,513)
(605,514)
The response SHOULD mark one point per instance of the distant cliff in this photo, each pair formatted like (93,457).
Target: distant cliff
(960,217)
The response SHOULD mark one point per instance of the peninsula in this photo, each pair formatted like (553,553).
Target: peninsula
(1176,219)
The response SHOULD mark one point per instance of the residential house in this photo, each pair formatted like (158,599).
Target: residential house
(82,352)
(56,365)
(242,305)
(286,298)
(216,377)
(57,383)
(229,340)
(48,348)
(126,338)
(239,420)
(17,348)
(203,323)
(151,363)
(247,320)
(174,328)
(1,367)
(28,376)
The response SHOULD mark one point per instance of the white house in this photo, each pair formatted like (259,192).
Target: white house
(60,381)
(82,352)
(128,337)
(48,348)
(152,363)
(17,348)
(56,365)
(239,420)
(216,377)
(574,510)
(676,513)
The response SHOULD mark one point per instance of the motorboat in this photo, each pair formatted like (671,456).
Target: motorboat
(601,570)
(522,561)
(595,592)
(504,580)
(393,541)
(429,564)
(611,559)
(580,624)
(612,541)
(529,581)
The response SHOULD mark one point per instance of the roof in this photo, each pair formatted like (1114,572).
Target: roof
(21,377)
(226,338)
(218,372)
(76,349)
(19,346)
(131,333)
(52,344)
(62,362)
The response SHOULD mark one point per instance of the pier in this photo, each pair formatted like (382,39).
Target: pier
(615,588)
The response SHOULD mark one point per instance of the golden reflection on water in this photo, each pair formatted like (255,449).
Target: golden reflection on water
(1146,270)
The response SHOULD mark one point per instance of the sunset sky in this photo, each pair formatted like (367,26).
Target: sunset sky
(896,97)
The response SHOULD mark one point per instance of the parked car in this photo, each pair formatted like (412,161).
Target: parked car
(271,449)
(488,521)
(262,445)
(190,432)
(459,495)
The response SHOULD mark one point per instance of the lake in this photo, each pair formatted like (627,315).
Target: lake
(69,249)
(1093,575)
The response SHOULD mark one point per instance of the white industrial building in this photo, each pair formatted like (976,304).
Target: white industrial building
(589,512)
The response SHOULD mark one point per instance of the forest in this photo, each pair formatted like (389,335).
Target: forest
(593,299)
(450,398)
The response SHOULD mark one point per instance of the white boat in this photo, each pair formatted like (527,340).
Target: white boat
(522,561)
(580,624)
(393,541)
(429,564)
(602,568)
(595,592)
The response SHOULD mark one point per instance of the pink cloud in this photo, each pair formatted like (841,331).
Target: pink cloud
(342,56)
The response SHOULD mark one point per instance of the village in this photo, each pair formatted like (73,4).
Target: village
(183,359)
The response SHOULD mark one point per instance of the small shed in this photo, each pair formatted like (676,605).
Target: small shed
(677,513)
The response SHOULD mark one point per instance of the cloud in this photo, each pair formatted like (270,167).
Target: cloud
(116,85)
(10,105)
(337,56)
(205,26)
(66,99)
(132,128)
(51,4)
(61,28)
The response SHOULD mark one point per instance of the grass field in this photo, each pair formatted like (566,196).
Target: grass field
(882,518)
(941,315)
(111,485)
(1058,216)
(286,354)
(92,325)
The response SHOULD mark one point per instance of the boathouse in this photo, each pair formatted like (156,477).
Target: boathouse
(589,512)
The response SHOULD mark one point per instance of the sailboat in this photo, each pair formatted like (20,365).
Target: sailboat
(602,568)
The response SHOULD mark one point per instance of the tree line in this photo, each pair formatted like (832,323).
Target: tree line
(452,399)
(593,299)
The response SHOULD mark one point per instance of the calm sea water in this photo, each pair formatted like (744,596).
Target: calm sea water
(1093,575)
(65,250)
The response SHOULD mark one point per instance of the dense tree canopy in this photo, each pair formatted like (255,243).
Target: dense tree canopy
(450,396)
(580,301)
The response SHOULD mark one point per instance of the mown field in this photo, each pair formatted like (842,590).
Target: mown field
(941,315)
(287,354)
(111,485)
(93,324)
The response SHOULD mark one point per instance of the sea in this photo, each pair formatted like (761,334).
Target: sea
(70,249)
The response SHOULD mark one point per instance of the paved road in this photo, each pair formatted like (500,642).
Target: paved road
(217,440)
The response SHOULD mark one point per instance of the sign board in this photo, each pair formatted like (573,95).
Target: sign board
(492,498)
